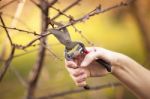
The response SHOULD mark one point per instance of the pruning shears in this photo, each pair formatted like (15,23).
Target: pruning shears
(73,49)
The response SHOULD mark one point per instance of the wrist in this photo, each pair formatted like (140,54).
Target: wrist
(120,62)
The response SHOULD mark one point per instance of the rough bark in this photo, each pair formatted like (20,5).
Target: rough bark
(40,59)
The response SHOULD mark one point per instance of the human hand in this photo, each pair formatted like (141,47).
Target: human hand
(86,66)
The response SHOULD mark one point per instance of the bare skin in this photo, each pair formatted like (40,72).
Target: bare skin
(130,73)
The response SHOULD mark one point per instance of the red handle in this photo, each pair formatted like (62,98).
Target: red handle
(86,52)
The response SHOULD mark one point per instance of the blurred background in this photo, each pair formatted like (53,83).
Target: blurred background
(125,30)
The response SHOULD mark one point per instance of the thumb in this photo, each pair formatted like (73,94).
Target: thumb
(89,58)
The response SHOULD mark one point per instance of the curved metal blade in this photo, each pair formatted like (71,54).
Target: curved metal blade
(63,37)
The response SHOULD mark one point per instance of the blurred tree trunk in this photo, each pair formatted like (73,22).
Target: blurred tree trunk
(40,59)
(139,11)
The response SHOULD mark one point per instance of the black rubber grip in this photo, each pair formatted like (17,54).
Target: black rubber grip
(86,87)
(105,64)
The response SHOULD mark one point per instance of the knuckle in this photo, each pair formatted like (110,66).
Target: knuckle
(80,79)
(68,65)
(75,74)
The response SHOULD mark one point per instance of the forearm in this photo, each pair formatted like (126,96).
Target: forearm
(129,72)
(133,75)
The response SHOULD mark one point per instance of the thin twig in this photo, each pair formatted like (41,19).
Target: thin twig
(4,26)
(94,12)
(35,4)
(7,63)
(100,87)
(20,78)
(7,4)
(21,30)
(52,3)
(83,36)
(16,16)
(14,22)
(19,20)
(31,42)
(66,9)
(28,52)
(60,12)
(51,52)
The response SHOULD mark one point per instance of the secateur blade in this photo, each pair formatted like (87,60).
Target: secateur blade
(64,38)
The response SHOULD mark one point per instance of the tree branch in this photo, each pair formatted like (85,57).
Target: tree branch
(33,41)
(100,87)
(36,4)
(21,30)
(20,78)
(4,26)
(18,19)
(52,53)
(7,4)
(34,77)
(52,3)
(94,12)
(83,36)
(14,22)
(66,9)
(7,63)
(85,17)
(60,12)
(28,52)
